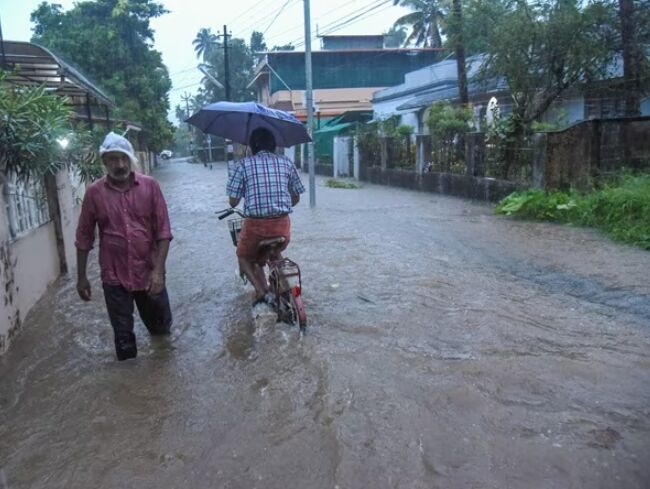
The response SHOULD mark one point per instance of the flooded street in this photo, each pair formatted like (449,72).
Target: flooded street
(447,348)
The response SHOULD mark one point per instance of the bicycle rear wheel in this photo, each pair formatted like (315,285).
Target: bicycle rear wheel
(299,312)
(289,305)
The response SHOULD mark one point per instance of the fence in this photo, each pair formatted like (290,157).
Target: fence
(575,157)
(583,153)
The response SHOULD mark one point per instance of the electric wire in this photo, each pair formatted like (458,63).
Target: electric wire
(276,16)
(329,24)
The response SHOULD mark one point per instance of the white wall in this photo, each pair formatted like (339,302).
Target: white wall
(29,264)
(33,266)
(384,110)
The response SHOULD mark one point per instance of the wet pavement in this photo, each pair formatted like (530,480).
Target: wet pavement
(447,348)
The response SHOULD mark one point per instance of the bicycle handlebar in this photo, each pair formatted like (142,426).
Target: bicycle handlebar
(228,212)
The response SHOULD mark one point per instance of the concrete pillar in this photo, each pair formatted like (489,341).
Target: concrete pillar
(54,206)
(475,154)
(540,141)
(356,159)
(423,148)
(383,151)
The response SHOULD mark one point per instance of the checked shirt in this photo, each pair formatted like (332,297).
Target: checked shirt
(265,182)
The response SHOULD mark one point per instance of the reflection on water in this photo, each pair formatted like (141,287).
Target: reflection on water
(446,348)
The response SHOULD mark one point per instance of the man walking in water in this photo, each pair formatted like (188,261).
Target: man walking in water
(270,186)
(134,236)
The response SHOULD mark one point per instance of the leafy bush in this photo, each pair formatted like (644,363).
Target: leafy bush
(368,143)
(447,123)
(33,124)
(31,121)
(400,151)
(621,209)
(332,183)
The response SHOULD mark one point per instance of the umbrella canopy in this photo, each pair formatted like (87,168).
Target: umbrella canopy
(237,120)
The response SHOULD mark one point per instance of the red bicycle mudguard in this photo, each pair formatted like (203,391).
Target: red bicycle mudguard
(300,309)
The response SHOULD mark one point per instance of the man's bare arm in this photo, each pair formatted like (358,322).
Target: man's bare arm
(83,285)
(157,281)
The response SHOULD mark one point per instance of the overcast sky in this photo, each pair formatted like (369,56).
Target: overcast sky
(176,30)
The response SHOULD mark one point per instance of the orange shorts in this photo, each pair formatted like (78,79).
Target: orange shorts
(255,230)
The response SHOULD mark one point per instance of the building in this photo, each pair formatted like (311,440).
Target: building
(439,83)
(344,78)
(352,42)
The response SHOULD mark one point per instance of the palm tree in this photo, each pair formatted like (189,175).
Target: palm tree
(204,43)
(426,20)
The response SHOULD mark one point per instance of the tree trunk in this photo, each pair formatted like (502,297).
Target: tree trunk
(55,214)
(463,95)
(631,59)
(460,55)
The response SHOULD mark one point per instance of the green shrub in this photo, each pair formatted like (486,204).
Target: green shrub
(332,183)
(37,136)
(621,209)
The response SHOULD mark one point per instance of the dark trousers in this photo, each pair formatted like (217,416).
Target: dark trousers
(154,311)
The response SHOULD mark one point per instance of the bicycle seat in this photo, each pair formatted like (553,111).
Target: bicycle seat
(271,242)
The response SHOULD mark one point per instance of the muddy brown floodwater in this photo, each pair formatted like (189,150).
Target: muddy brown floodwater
(447,348)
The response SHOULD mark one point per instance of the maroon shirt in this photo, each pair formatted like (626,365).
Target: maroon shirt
(130,223)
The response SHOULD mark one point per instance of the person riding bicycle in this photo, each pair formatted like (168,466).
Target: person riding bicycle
(270,186)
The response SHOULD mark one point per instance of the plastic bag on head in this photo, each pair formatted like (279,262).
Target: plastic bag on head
(115,142)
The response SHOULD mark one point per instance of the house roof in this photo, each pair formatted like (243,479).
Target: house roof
(439,82)
(31,64)
(451,92)
(432,77)
(334,128)
(360,50)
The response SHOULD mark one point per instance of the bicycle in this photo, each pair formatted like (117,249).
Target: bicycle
(284,277)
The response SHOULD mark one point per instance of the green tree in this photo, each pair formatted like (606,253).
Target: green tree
(395,37)
(205,44)
(479,20)
(426,21)
(284,47)
(110,41)
(241,63)
(543,49)
(257,42)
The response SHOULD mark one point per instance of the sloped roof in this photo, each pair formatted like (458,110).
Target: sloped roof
(31,64)
(451,92)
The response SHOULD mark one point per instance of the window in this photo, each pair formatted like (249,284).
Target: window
(26,203)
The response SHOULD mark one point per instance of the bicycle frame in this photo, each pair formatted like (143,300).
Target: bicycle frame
(285,279)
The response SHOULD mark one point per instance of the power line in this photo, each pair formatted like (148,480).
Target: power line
(327,14)
(246,11)
(252,23)
(184,87)
(357,18)
(182,71)
(276,16)
(353,20)
(351,15)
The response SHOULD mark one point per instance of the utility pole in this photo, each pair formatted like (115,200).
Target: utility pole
(309,96)
(226,64)
(186,98)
